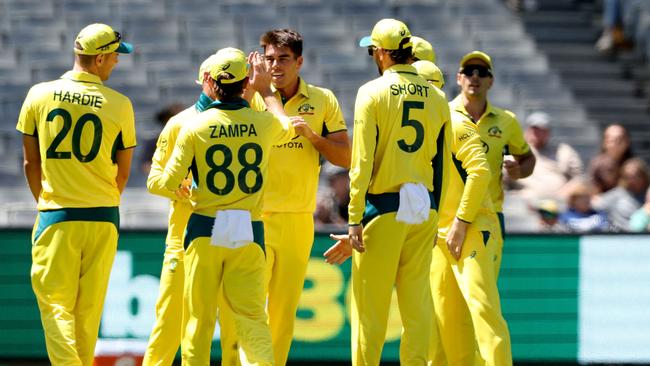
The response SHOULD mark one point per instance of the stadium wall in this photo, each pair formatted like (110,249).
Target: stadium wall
(566,299)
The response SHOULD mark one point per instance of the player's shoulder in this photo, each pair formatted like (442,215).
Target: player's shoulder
(114,95)
(181,118)
(43,88)
(504,114)
(319,91)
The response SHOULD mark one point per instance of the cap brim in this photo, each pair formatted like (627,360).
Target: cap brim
(124,48)
(365,41)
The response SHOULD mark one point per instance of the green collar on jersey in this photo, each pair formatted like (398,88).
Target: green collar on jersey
(203,103)
(229,106)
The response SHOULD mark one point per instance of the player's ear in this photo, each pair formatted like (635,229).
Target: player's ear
(99,59)
(299,61)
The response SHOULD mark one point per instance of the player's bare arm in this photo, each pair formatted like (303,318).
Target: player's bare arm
(123,158)
(32,164)
(335,147)
(521,167)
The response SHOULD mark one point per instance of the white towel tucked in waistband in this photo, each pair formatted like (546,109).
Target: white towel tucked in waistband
(414,203)
(232,229)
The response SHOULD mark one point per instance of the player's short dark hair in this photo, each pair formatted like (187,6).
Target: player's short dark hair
(401,56)
(283,38)
(231,90)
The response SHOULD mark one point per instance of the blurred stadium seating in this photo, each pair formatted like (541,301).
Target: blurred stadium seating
(543,57)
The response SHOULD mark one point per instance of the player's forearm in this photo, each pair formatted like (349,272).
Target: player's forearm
(155,184)
(336,152)
(33,176)
(359,183)
(526,164)
(123,158)
(273,104)
(476,188)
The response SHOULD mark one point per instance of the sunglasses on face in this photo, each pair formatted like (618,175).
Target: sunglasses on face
(118,38)
(371,50)
(481,70)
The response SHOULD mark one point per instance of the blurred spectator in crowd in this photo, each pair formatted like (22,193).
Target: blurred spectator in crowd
(557,163)
(613,36)
(580,216)
(548,213)
(621,202)
(640,220)
(604,169)
(149,144)
(332,205)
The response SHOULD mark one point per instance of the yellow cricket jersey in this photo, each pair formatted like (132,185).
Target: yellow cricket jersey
(227,148)
(468,177)
(80,124)
(294,166)
(179,210)
(500,134)
(398,119)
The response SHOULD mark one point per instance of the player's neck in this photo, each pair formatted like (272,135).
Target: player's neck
(89,69)
(290,90)
(475,106)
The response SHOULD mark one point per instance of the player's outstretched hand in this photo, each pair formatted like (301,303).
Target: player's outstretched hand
(260,75)
(340,251)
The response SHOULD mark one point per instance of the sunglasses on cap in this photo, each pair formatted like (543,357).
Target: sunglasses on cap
(483,71)
(118,38)
(371,50)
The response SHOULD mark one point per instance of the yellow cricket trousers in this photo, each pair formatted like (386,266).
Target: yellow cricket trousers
(467,306)
(166,334)
(239,273)
(71,266)
(288,239)
(397,255)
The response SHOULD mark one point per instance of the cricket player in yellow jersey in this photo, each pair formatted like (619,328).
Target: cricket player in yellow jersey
(498,128)
(165,336)
(227,149)
(430,72)
(463,281)
(399,131)
(424,58)
(290,193)
(78,137)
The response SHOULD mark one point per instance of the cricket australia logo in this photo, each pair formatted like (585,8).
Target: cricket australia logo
(494,131)
(306,109)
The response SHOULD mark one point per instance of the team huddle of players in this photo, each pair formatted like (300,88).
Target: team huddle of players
(240,168)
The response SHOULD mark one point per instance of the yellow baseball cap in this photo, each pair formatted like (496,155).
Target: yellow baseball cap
(430,72)
(96,39)
(231,61)
(205,66)
(422,49)
(476,55)
(389,34)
